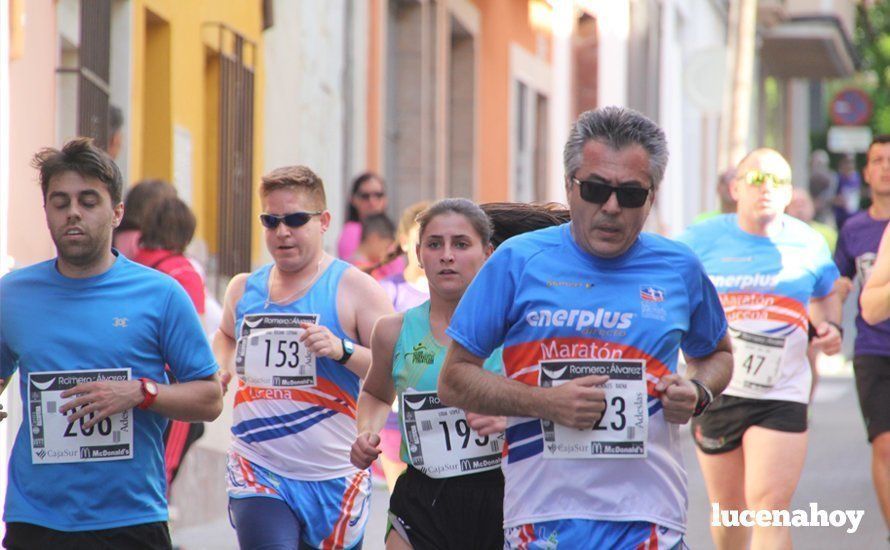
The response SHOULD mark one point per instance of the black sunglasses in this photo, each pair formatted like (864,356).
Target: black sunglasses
(294,219)
(599,193)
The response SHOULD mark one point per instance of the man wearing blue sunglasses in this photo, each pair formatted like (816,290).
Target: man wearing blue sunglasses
(296,333)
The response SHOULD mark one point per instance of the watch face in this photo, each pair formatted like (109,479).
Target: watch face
(151,387)
(349,346)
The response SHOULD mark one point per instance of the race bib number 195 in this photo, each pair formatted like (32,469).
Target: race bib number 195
(622,430)
(440,441)
(54,440)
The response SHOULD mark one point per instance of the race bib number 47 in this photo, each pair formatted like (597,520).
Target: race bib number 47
(440,441)
(757,360)
(622,430)
(270,353)
(54,440)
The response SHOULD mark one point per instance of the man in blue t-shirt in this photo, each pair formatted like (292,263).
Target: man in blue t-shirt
(592,315)
(90,333)
(855,256)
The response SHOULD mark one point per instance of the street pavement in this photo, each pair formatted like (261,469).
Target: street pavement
(837,476)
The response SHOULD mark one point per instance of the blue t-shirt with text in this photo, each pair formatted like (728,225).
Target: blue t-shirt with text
(128,317)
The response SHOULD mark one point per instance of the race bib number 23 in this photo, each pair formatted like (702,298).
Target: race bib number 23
(622,430)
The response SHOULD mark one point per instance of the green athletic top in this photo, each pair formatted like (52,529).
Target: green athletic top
(417,360)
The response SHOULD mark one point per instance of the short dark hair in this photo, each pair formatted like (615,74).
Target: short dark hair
(295,178)
(170,225)
(79,155)
(880,139)
(139,201)
(380,225)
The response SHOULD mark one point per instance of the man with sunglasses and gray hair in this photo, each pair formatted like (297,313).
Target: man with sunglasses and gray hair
(296,333)
(592,315)
(775,276)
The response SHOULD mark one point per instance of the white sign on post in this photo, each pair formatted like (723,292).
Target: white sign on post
(849,139)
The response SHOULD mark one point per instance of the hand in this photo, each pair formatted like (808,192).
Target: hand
(101,398)
(321,341)
(828,339)
(484,424)
(224,378)
(365,450)
(678,398)
(577,404)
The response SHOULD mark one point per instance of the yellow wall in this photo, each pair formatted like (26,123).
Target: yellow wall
(174,85)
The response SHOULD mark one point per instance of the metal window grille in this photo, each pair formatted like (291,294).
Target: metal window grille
(236,89)
(92,70)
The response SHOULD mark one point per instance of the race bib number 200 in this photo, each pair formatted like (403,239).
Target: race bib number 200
(622,430)
(54,440)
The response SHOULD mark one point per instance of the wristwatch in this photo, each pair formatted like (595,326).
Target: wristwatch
(348,350)
(705,397)
(149,391)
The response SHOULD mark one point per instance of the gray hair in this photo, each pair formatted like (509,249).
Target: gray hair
(617,127)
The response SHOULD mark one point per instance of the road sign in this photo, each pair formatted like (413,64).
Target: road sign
(850,107)
(849,139)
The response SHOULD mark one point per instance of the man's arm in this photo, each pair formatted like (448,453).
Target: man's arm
(360,303)
(195,401)
(825,314)
(875,298)
(224,342)
(713,370)
(465,384)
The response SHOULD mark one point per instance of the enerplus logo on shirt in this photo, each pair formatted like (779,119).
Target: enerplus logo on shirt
(580,319)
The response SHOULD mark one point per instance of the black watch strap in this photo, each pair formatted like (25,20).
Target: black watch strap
(705,398)
(348,350)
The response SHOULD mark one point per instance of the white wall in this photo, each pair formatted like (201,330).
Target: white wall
(703,45)
(306,95)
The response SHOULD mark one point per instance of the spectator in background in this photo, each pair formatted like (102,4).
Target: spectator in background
(408,288)
(823,185)
(849,188)
(115,132)
(802,208)
(378,238)
(167,229)
(727,203)
(136,206)
(368,197)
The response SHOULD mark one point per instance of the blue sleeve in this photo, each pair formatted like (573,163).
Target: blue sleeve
(482,318)
(842,258)
(707,322)
(183,344)
(8,363)
(826,272)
